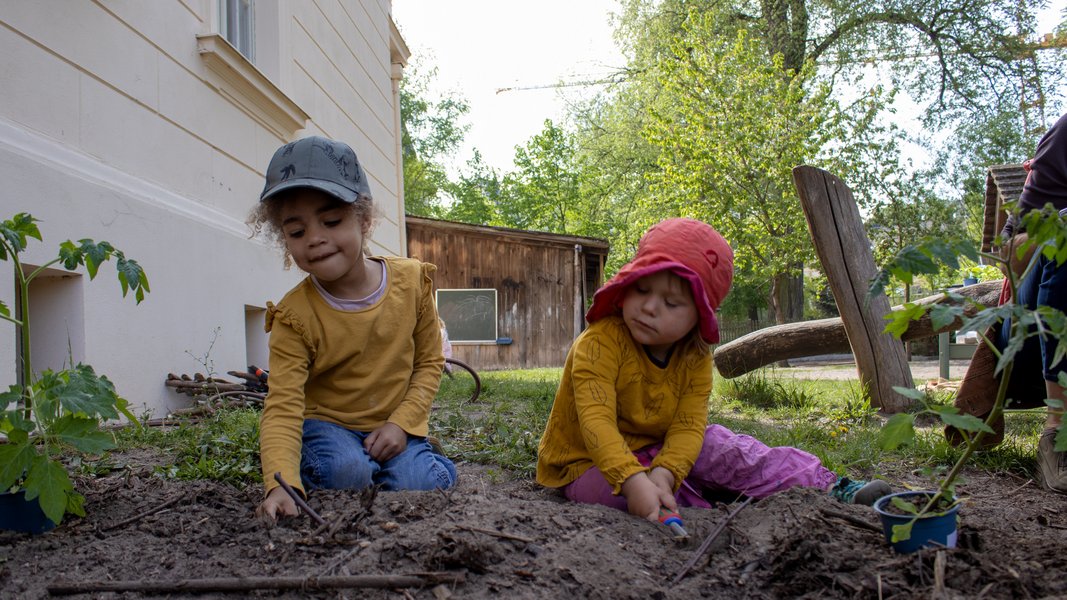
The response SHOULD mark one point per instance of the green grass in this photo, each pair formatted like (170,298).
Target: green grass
(222,447)
(830,418)
(504,425)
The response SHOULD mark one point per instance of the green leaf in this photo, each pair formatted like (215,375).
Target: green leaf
(899,430)
(905,506)
(943,315)
(12,396)
(83,433)
(912,393)
(70,256)
(15,460)
(16,230)
(4,310)
(901,319)
(48,481)
(86,393)
(95,254)
(132,276)
(950,416)
(901,533)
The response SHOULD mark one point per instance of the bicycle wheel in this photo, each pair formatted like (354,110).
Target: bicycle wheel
(460,380)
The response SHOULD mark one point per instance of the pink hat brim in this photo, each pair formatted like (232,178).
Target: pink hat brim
(608,300)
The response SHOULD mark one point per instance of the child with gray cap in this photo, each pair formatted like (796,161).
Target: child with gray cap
(355,348)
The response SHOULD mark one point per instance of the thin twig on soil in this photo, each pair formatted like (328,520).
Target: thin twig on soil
(858,522)
(707,542)
(499,534)
(245,584)
(299,501)
(144,514)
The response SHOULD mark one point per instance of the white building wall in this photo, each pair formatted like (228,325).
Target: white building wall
(114,126)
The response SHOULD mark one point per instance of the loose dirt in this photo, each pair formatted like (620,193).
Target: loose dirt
(501,537)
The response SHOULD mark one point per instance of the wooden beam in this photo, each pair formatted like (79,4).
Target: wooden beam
(844,250)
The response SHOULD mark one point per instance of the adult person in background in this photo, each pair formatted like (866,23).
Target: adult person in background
(1044,285)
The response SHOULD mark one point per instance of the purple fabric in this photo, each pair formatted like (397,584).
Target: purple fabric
(729,462)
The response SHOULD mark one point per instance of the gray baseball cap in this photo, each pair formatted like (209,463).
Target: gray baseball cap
(320,163)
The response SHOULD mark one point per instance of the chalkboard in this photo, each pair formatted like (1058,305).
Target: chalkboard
(469,315)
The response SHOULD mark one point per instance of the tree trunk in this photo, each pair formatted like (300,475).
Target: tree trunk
(827,336)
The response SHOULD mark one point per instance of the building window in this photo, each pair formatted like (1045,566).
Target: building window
(236,24)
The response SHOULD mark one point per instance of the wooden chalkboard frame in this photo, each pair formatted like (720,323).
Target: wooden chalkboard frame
(470,314)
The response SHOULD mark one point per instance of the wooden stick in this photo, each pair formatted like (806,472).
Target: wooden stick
(858,522)
(499,534)
(144,514)
(205,385)
(245,584)
(299,501)
(707,542)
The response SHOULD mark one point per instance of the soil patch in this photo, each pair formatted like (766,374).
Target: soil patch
(510,538)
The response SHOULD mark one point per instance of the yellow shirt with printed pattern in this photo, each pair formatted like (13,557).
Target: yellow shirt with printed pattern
(613,400)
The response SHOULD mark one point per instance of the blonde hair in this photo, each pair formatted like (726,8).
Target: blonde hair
(266,218)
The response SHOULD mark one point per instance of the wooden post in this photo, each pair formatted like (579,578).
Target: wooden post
(845,253)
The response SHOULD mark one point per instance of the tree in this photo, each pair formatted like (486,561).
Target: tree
(547,190)
(954,59)
(728,143)
(431,129)
(476,195)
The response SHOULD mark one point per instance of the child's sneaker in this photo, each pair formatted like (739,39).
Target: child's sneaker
(857,491)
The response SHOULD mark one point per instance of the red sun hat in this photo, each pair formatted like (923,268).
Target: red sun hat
(692,250)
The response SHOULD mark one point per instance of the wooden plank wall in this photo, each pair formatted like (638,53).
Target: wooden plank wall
(534,275)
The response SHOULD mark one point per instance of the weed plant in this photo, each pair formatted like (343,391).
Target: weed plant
(222,447)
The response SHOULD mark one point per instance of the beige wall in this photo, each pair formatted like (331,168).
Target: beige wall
(117,123)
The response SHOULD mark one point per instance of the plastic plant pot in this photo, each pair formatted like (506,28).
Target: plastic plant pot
(935,529)
(19,514)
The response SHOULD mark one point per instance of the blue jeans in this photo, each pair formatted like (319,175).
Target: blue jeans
(1045,285)
(333,457)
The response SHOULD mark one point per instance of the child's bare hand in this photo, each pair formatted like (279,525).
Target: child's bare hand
(664,480)
(644,497)
(276,504)
(386,442)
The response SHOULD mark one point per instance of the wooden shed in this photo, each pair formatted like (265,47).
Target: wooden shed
(1003,184)
(511,299)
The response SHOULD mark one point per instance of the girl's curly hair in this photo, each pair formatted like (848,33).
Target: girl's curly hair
(266,218)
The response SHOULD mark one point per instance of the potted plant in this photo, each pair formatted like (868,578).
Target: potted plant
(48,412)
(908,514)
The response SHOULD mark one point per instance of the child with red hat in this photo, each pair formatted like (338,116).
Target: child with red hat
(628,427)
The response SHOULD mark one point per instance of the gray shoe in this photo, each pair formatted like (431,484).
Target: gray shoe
(1052,464)
(857,491)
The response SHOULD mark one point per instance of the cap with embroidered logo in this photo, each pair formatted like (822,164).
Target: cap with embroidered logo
(320,163)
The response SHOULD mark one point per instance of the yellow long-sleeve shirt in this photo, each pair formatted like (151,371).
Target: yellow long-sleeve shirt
(612,400)
(359,369)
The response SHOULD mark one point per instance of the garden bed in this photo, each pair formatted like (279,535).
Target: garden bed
(507,537)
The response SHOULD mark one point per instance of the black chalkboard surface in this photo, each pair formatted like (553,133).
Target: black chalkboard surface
(469,315)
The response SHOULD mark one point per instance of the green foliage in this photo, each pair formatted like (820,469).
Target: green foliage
(1047,231)
(55,411)
(431,130)
(222,448)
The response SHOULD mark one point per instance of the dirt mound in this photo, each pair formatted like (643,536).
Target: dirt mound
(511,538)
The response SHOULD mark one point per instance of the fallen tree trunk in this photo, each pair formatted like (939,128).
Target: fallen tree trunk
(827,336)
(248,584)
